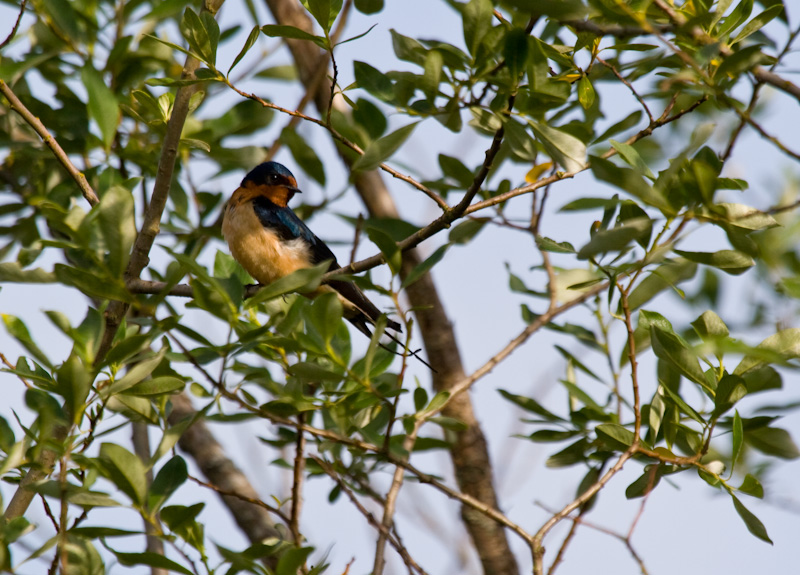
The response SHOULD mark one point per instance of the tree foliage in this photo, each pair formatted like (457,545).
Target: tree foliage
(120,117)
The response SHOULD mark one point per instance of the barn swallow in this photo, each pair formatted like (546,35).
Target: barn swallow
(268,239)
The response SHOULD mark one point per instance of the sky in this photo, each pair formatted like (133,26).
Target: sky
(685,526)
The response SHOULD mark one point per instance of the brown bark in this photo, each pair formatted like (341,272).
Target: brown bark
(222,472)
(470,456)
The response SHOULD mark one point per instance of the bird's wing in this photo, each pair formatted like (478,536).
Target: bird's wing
(285,223)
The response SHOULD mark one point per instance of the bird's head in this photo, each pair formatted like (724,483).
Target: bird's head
(272,180)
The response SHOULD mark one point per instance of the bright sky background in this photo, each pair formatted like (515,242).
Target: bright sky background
(687,527)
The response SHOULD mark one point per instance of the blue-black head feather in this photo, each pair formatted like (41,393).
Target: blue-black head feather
(271,174)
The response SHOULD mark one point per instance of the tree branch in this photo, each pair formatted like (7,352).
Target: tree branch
(139,257)
(16,105)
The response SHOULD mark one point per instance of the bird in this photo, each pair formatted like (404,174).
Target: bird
(270,241)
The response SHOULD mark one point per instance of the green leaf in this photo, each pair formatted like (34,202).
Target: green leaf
(454,168)
(644,484)
(515,52)
(630,181)
(115,220)
(548,245)
(563,148)
(615,436)
(370,117)
(730,389)
(752,486)
(149,559)
(171,476)
(19,331)
(668,275)
(125,470)
(729,261)
(277,31)
(438,400)
(758,22)
(97,532)
(683,407)
(529,404)
(424,267)
(738,437)
(752,522)
(672,349)
(12,272)
(325,313)
(586,95)
(74,494)
(466,230)
(249,43)
(632,158)
(784,344)
(314,372)
(92,284)
(420,398)
(570,455)
(199,37)
(615,239)
(291,561)
(303,281)
(740,62)
(709,326)
(388,247)
(772,441)
(135,374)
(74,384)
(477,16)
(324,11)
(369,6)
(741,216)
(373,81)
(382,149)
(157,386)
(551,435)
(103,106)
(556,9)
(171,437)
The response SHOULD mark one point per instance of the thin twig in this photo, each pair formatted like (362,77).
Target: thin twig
(16,105)
(629,85)
(228,493)
(391,500)
(340,138)
(383,530)
(14,369)
(16,25)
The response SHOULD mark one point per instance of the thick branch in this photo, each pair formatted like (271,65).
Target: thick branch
(473,468)
(222,472)
(139,257)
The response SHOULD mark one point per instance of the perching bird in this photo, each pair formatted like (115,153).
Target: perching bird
(268,239)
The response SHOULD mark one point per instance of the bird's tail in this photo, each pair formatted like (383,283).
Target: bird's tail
(362,324)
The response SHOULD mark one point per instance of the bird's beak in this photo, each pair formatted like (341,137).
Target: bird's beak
(292,191)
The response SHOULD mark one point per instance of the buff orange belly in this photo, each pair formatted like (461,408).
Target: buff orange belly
(258,249)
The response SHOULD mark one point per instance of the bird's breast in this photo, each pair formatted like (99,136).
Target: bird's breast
(258,249)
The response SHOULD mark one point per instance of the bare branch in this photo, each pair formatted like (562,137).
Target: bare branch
(393,540)
(391,500)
